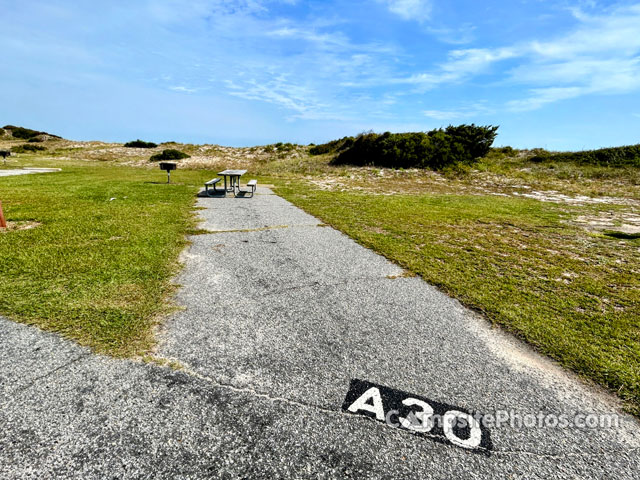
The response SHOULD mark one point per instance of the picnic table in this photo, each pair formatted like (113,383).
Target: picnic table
(234,183)
(234,179)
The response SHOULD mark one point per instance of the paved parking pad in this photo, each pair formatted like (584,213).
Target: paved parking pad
(286,323)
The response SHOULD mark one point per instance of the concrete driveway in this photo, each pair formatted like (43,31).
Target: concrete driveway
(292,342)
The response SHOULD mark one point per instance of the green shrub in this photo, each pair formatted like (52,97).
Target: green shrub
(475,140)
(27,147)
(508,151)
(626,156)
(37,139)
(284,147)
(140,144)
(435,149)
(170,154)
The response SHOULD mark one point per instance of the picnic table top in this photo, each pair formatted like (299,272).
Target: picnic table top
(232,172)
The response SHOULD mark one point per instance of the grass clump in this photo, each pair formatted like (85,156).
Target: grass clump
(626,156)
(284,147)
(28,148)
(434,150)
(169,154)
(140,144)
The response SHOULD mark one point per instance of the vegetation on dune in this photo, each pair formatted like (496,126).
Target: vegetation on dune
(25,133)
(28,147)
(169,154)
(614,157)
(434,150)
(140,144)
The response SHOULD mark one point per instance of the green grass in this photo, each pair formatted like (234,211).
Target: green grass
(573,295)
(95,270)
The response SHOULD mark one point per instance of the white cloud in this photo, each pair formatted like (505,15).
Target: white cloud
(454,36)
(460,65)
(419,10)
(443,114)
(476,60)
(539,97)
(180,88)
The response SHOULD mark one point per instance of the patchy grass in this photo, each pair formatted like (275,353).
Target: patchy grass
(97,267)
(572,294)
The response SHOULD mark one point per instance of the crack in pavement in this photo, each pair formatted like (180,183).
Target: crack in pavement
(316,283)
(188,370)
(264,229)
(48,374)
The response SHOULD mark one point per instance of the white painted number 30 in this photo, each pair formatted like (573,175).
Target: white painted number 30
(371,401)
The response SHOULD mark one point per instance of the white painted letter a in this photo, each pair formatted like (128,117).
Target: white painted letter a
(361,403)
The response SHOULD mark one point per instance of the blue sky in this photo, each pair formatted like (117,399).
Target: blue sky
(554,74)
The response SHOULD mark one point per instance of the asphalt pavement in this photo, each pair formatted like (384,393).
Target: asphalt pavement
(303,355)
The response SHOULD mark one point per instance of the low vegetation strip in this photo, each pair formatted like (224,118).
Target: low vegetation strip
(627,156)
(572,294)
(98,267)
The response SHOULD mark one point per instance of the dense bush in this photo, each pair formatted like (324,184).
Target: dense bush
(627,156)
(170,154)
(140,144)
(435,149)
(27,147)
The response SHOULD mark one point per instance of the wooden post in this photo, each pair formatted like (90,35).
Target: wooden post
(3,223)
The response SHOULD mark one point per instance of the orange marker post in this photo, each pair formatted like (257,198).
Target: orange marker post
(3,223)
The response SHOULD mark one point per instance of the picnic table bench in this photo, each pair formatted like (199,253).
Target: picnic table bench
(208,184)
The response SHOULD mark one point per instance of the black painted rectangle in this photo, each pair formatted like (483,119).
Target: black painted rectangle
(408,415)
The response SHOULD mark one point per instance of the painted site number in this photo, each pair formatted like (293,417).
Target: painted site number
(438,421)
